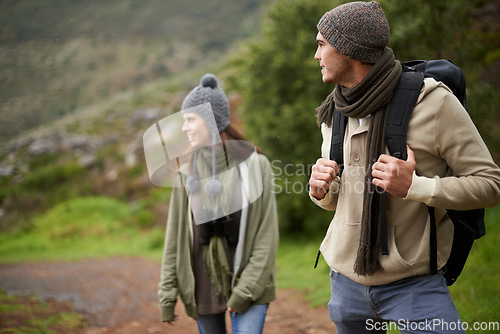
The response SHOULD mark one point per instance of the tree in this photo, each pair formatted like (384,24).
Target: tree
(428,29)
(280,84)
(461,31)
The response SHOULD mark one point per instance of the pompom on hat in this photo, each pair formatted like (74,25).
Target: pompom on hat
(209,91)
(358,30)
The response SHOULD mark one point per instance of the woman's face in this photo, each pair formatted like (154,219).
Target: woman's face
(196,130)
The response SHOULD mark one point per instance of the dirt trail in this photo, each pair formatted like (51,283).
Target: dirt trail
(118,295)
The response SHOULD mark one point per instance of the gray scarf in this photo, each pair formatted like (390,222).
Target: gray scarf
(370,97)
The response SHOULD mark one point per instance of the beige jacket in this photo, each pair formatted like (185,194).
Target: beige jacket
(454,170)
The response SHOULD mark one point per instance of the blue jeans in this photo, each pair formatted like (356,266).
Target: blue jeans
(420,304)
(250,322)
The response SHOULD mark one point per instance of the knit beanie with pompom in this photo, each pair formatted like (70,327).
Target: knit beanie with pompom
(209,91)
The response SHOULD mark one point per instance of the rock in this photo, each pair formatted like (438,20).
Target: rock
(6,171)
(40,146)
(149,115)
(87,160)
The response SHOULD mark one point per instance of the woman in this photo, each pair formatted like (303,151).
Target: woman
(222,227)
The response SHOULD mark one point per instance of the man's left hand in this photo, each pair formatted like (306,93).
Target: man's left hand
(394,175)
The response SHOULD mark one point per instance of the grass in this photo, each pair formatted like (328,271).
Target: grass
(476,291)
(295,269)
(30,315)
(102,226)
(81,228)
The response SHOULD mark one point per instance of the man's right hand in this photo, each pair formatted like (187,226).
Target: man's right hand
(323,174)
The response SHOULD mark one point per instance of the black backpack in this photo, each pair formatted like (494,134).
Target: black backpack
(468,225)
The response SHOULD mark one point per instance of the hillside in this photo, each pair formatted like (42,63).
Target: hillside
(58,56)
(82,81)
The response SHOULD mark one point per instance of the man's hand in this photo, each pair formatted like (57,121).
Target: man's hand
(394,175)
(323,173)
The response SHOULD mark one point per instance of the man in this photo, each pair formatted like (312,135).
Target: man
(448,166)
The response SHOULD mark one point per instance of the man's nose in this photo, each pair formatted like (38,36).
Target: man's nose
(316,55)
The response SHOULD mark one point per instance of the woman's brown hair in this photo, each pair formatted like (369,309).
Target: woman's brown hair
(238,144)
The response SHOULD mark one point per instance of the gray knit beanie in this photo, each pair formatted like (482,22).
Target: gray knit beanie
(209,92)
(358,30)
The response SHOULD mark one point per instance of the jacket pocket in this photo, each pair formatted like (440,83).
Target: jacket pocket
(394,262)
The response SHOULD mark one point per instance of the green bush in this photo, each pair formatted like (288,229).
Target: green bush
(51,175)
(483,100)
(83,217)
(280,83)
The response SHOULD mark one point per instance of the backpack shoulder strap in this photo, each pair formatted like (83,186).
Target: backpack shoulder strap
(404,99)
(337,143)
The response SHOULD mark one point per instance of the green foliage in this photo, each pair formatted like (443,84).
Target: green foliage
(483,100)
(148,210)
(281,86)
(476,291)
(445,29)
(142,215)
(428,29)
(83,227)
(42,160)
(95,216)
(49,180)
(30,315)
(295,269)
(50,176)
